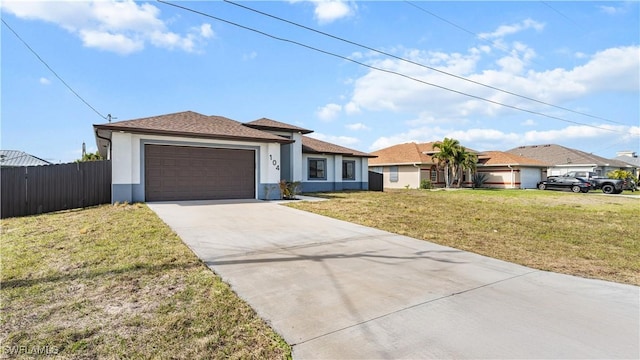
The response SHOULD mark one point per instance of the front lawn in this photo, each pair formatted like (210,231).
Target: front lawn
(116,282)
(588,235)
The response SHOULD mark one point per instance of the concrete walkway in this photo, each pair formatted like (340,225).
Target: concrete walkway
(336,290)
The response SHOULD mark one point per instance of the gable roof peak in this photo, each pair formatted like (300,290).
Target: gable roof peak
(273,125)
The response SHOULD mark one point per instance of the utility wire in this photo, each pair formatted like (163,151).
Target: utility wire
(381,69)
(419,64)
(53,71)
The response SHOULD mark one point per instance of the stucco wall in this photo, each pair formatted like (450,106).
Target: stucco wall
(334,181)
(407,175)
(128,162)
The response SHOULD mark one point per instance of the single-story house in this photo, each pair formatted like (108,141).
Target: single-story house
(631,158)
(191,156)
(509,171)
(562,159)
(17,158)
(407,165)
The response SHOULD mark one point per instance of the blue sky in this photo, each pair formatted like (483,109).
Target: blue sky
(137,59)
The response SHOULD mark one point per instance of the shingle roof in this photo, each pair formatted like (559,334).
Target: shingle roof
(407,153)
(192,124)
(315,146)
(488,158)
(635,161)
(268,124)
(17,158)
(559,155)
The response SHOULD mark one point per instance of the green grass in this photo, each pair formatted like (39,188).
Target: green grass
(588,235)
(116,282)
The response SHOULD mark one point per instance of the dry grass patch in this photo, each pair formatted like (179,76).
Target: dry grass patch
(116,282)
(588,235)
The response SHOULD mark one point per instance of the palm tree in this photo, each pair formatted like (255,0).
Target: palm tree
(446,157)
(465,160)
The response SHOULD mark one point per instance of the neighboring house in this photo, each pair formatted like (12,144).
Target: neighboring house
(16,158)
(190,156)
(406,165)
(561,159)
(509,171)
(409,164)
(630,158)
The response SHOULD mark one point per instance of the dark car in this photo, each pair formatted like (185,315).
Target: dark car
(575,184)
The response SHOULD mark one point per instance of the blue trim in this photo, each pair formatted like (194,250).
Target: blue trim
(121,193)
(322,186)
(273,190)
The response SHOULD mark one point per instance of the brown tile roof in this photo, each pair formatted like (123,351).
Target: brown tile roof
(315,146)
(192,124)
(407,153)
(268,124)
(488,158)
(560,155)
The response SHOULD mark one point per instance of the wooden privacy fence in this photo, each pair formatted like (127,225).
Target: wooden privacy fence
(39,189)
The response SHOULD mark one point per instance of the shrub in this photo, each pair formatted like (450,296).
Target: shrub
(478,179)
(426,184)
(289,189)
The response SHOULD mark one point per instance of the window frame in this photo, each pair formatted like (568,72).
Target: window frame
(347,162)
(324,169)
(394,173)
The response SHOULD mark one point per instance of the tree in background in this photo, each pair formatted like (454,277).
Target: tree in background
(620,174)
(90,157)
(446,156)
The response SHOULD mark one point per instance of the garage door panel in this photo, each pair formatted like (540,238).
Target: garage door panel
(196,173)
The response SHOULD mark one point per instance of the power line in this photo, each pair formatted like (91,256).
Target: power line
(53,71)
(380,69)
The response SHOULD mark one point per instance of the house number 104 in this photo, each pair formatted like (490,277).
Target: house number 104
(274,162)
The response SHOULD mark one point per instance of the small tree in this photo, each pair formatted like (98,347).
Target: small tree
(619,174)
(90,157)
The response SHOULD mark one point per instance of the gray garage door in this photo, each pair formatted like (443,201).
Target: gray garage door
(197,173)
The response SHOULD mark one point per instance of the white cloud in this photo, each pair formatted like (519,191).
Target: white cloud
(615,10)
(329,112)
(122,27)
(528,122)
(357,127)
(511,29)
(250,56)
(327,11)
(339,140)
(206,32)
(44,81)
(492,139)
(379,91)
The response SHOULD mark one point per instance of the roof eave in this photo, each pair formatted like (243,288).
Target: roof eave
(275,128)
(189,134)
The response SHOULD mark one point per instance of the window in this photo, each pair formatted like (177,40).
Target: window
(393,173)
(434,175)
(317,169)
(348,170)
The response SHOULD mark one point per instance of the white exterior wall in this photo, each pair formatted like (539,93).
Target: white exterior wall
(298,161)
(128,167)
(330,167)
(561,170)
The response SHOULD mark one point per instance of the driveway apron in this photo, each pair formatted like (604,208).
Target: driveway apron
(336,290)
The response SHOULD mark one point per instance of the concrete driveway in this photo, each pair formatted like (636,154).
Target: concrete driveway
(336,290)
